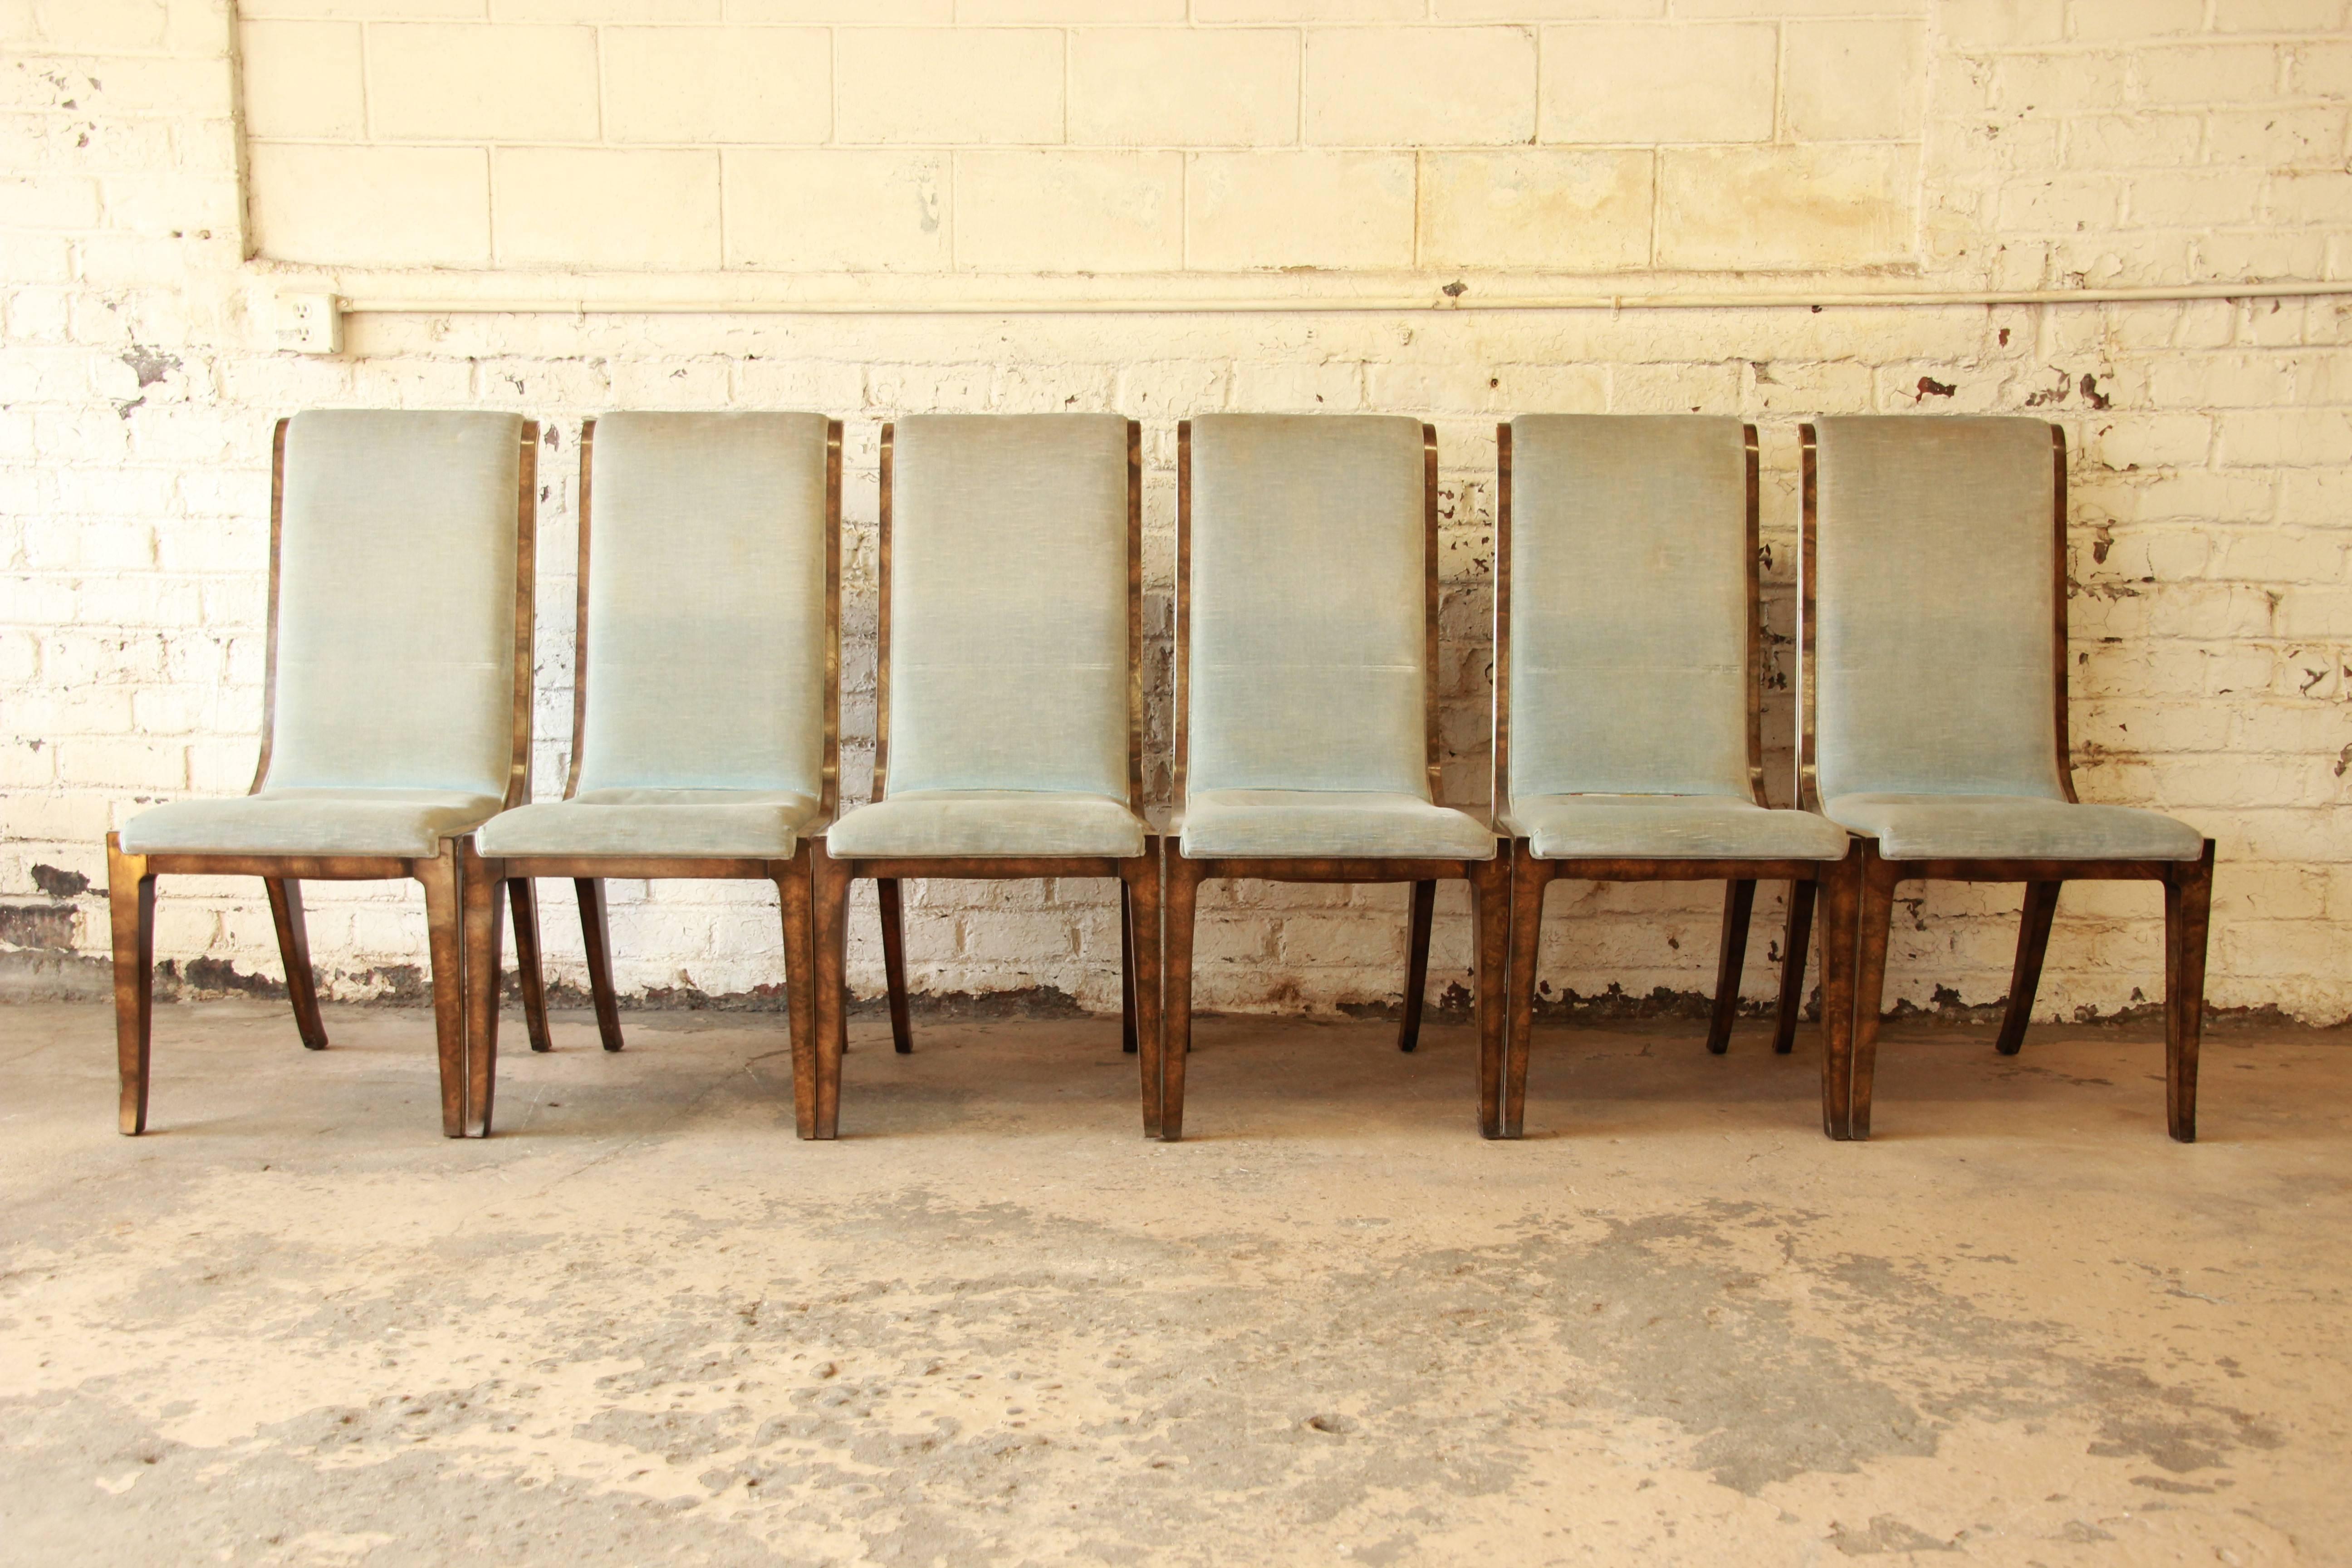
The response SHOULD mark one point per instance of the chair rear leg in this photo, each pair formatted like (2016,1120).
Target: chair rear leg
(294,952)
(445,923)
(1416,963)
(795,898)
(1140,898)
(893,962)
(1840,888)
(1490,940)
(596,936)
(1529,877)
(1730,960)
(817,1098)
(2025,978)
(524,897)
(1127,979)
(1799,938)
(485,922)
(1181,892)
(2188,907)
(131,896)
(1875,920)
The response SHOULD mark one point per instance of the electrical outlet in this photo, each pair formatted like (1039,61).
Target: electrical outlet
(310,323)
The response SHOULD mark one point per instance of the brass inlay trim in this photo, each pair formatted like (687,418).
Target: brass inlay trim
(1135,617)
(1755,621)
(882,621)
(580,612)
(526,605)
(1499,796)
(2058,609)
(1432,727)
(270,646)
(1182,660)
(1808,783)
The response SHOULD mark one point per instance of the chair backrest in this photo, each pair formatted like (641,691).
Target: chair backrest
(1306,614)
(1625,606)
(1934,608)
(400,602)
(1011,604)
(709,582)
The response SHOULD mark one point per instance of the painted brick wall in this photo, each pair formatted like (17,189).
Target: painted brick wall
(2108,142)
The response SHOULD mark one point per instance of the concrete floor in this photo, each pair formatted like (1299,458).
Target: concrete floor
(993,1325)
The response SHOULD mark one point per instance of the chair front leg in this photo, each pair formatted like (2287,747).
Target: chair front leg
(444,922)
(1180,891)
(816,1099)
(2187,910)
(1529,877)
(1840,885)
(1490,938)
(485,915)
(893,962)
(130,898)
(294,953)
(795,896)
(1416,963)
(1140,900)
(2026,976)
(595,934)
(524,896)
(1730,961)
(1848,1103)
(1800,937)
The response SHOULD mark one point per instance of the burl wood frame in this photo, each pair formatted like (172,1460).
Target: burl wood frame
(461,908)
(588,872)
(1837,881)
(819,1086)
(2188,884)
(1489,879)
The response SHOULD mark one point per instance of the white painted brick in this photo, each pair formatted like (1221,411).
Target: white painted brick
(1070,212)
(2124,19)
(607,10)
(1785,207)
(1645,83)
(1853,81)
(630,210)
(697,86)
(435,83)
(1299,209)
(1384,87)
(1558,209)
(1990,24)
(1070,10)
(870,11)
(367,10)
(2206,73)
(97,26)
(303,80)
(1309,10)
(800,211)
(1178,87)
(326,204)
(963,87)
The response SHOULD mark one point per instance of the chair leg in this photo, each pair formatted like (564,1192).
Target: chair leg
(444,922)
(1730,961)
(1490,938)
(2188,908)
(131,896)
(1127,980)
(1416,963)
(595,934)
(294,952)
(893,962)
(1874,918)
(1799,938)
(485,917)
(2025,978)
(525,900)
(1180,891)
(1840,884)
(794,897)
(1529,877)
(820,1092)
(1139,899)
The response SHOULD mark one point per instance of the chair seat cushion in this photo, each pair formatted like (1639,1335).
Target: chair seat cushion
(1669,827)
(1300,824)
(2012,827)
(313,821)
(993,823)
(681,824)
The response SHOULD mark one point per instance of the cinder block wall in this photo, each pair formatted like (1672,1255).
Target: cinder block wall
(165,165)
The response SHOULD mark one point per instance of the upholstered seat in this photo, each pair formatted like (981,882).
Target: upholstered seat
(1013,824)
(1668,827)
(2012,827)
(1293,824)
(659,823)
(321,821)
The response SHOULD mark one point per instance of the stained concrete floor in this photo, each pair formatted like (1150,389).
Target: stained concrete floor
(994,1325)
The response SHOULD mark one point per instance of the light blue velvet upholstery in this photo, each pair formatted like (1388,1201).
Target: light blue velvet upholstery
(393,719)
(706,644)
(2009,827)
(1669,827)
(1305,721)
(1011,824)
(1628,646)
(1934,643)
(1008,700)
(1279,824)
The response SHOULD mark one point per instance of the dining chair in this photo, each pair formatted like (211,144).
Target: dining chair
(1627,732)
(1307,717)
(1932,649)
(396,713)
(704,719)
(1009,699)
